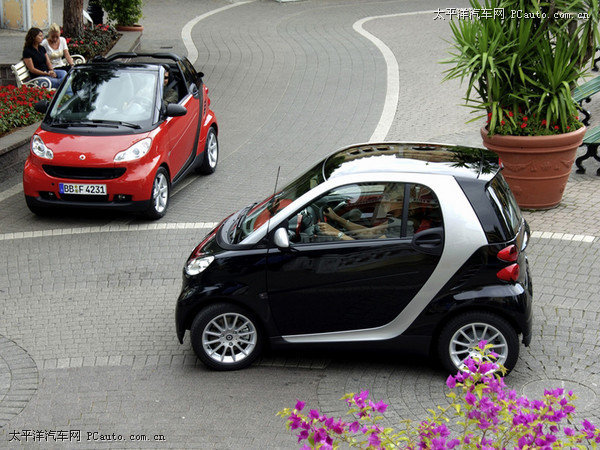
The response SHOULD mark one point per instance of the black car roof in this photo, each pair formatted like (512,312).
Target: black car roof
(458,161)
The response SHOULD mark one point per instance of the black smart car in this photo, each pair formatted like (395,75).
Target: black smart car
(416,246)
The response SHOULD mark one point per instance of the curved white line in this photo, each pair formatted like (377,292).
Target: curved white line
(390,105)
(186,31)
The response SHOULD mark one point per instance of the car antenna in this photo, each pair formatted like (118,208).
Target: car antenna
(273,198)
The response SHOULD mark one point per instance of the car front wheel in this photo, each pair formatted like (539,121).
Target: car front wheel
(459,340)
(159,199)
(211,153)
(225,337)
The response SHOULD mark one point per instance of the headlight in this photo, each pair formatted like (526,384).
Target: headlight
(39,148)
(197,265)
(136,151)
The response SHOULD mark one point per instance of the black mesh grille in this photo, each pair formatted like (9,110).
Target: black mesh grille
(84,198)
(84,173)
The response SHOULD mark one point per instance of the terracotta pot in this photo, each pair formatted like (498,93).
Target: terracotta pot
(536,168)
(135,27)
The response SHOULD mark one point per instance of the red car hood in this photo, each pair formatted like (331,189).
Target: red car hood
(96,150)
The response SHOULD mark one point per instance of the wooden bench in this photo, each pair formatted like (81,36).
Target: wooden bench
(592,141)
(23,77)
(583,93)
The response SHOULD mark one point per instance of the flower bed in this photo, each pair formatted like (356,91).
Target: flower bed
(16,106)
(483,414)
(96,40)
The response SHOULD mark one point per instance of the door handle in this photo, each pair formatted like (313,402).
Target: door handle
(429,241)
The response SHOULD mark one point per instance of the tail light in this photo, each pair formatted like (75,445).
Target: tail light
(510,273)
(509,254)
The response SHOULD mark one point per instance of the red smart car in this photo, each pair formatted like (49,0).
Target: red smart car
(119,135)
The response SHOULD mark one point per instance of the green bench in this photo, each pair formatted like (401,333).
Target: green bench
(583,93)
(592,141)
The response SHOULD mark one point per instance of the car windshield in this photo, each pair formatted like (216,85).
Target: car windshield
(259,214)
(106,96)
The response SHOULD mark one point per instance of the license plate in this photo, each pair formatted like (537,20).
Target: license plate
(82,189)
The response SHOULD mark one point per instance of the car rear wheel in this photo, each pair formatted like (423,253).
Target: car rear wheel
(459,340)
(225,337)
(211,153)
(159,200)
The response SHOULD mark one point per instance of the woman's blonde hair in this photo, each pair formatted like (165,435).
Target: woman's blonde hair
(54,28)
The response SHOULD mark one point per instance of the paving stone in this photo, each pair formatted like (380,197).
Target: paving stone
(290,83)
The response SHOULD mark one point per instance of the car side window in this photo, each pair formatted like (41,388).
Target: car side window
(352,212)
(424,210)
(188,73)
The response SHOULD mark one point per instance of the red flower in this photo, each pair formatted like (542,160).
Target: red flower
(510,113)
(502,122)
(576,117)
(95,42)
(525,119)
(556,127)
(489,114)
(523,125)
(568,127)
(544,122)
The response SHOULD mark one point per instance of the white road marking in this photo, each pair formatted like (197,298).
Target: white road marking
(110,228)
(186,31)
(393,75)
(18,188)
(563,236)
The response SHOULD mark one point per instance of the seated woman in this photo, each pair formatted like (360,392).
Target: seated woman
(386,221)
(57,49)
(36,59)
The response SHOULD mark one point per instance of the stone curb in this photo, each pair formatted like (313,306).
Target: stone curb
(130,40)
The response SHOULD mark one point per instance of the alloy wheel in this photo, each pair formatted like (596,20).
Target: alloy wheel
(229,338)
(160,192)
(464,343)
(213,150)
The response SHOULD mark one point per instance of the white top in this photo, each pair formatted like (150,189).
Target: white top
(56,55)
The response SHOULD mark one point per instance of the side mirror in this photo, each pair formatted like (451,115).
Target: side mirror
(41,106)
(175,110)
(194,89)
(200,74)
(280,238)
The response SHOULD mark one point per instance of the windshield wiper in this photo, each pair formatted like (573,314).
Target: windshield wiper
(235,230)
(117,122)
(95,123)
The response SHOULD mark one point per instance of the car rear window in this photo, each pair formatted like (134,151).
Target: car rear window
(504,203)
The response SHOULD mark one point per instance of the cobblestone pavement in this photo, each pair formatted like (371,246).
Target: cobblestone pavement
(87,339)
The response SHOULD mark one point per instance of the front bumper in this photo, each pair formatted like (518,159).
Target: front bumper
(127,206)
(128,192)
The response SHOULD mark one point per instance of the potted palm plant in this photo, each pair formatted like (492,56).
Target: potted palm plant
(124,13)
(521,65)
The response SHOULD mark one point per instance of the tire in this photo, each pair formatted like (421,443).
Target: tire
(216,342)
(35,208)
(211,153)
(159,197)
(457,336)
